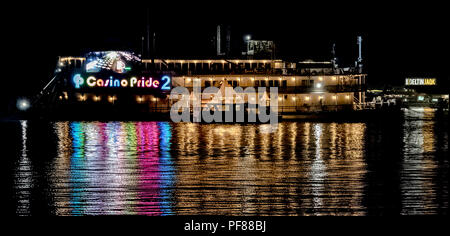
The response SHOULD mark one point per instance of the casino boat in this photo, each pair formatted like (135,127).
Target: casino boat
(122,85)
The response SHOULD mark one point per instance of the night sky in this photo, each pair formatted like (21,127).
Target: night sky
(398,40)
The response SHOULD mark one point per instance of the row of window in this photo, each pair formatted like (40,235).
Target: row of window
(211,66)
(263,83)
(111,99)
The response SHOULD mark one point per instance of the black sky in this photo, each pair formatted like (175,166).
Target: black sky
(398,40)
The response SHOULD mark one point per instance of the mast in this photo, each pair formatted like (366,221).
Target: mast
(148,32)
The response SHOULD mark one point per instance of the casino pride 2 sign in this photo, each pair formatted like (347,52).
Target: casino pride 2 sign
(162,83)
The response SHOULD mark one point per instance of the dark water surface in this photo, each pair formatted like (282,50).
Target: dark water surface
(389,167)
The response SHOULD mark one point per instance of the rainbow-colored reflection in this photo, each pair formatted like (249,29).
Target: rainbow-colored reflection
(113,168)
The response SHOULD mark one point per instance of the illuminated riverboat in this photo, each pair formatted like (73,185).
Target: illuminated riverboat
(120,82)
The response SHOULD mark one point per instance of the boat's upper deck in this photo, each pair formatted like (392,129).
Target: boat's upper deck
(181,67)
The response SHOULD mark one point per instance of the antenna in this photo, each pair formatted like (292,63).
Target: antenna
(359,41)
(333,56)
(358,62)
(142,46)
(219,51)
(154,48)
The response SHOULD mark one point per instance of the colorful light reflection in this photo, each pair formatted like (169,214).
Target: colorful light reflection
(114,168)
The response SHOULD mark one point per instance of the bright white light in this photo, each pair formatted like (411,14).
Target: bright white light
(120,66)
(23,104)
(91,65)
(248,37)
(112,55)
(319,85)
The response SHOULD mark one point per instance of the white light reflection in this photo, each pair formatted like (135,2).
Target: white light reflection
(24,176)
(60,169)
(318,169)
(418,167)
